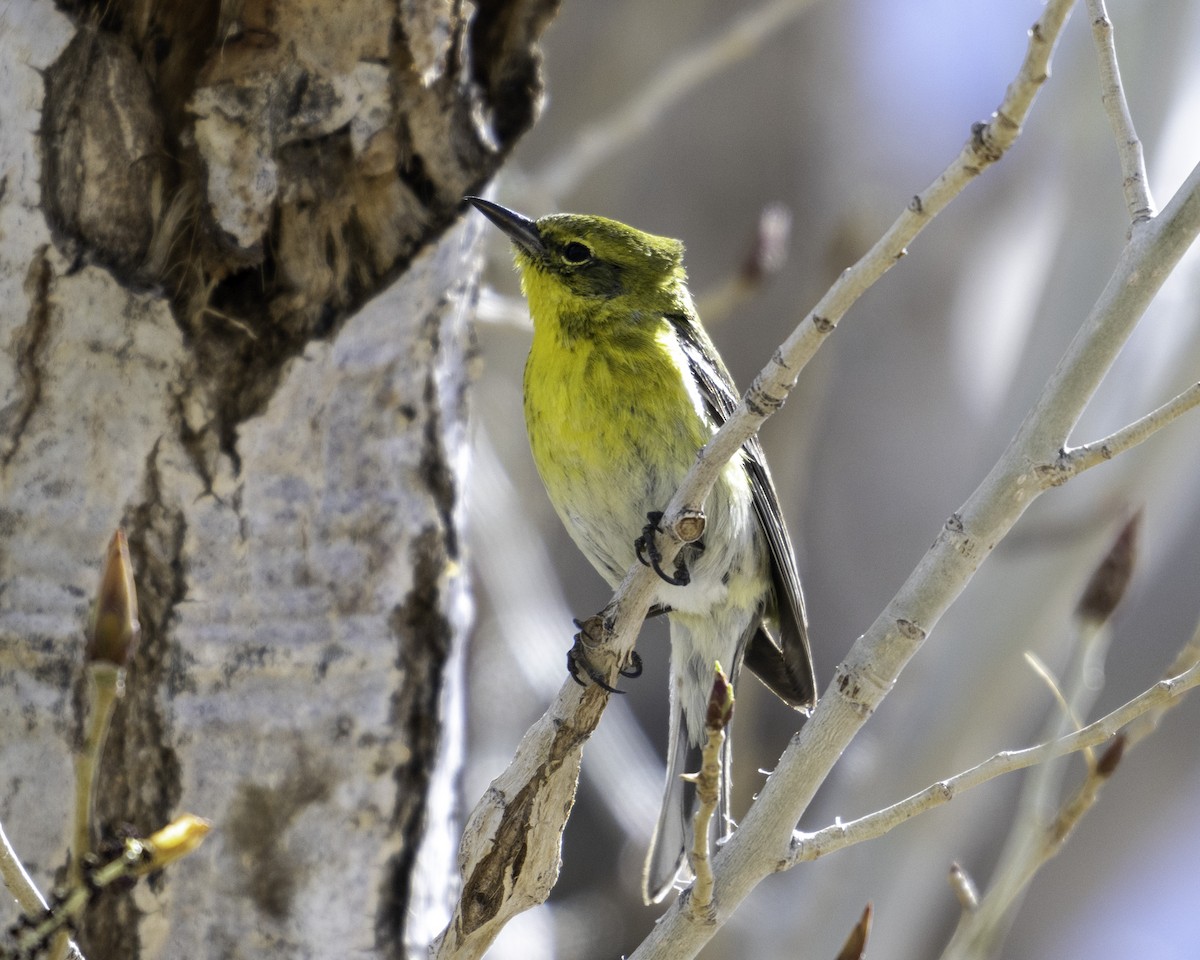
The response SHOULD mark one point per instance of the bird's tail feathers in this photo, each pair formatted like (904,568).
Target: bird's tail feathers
(666,857)
(666,860)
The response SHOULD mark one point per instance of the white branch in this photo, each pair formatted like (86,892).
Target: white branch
(1164,694)
(1134,183)
(1075,460)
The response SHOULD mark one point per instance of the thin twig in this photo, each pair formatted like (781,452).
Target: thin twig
(708,791)
(1187,659)
(1134,181)
(16,880)
(980,932)
(1075,460)
(598,141)
(986,145)
(1041,822)
(1046,675)
(138,858)
(709,786)
(106,683)
(29,898)
(1164,694)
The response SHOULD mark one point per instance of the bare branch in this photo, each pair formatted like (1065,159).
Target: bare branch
(1075,460)
(980,931)
(987,144)
(1160,697)
(509,855)
(1134,182)
(1187,659)
(708,789)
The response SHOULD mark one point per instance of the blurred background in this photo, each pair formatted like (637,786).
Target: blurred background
(835,117)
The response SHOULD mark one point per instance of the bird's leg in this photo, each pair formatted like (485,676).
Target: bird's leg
(644,545)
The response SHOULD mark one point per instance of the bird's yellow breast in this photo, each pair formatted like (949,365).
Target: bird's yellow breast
(613,427)
(597,408)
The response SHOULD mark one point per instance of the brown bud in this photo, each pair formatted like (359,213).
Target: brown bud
(720,701)
(115,626)
(1111,757)
(1111,578)
(855,947)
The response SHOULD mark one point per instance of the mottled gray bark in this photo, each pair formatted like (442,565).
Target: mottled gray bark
(233,301)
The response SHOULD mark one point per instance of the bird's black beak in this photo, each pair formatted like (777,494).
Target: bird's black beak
(521,230)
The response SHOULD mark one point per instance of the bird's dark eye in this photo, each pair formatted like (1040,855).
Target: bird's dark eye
(576,252)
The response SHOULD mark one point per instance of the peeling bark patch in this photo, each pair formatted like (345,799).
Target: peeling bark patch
(257,827)
(424,636)
(29,347)
(104,162)
(140,779)
(499,870)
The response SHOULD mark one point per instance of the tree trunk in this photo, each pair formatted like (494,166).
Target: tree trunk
(234,324)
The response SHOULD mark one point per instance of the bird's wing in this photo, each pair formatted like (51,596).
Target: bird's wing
(788,669)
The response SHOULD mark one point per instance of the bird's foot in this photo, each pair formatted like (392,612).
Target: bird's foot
(648,553)
(579,662)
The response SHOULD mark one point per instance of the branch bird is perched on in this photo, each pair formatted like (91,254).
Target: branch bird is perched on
(622,388)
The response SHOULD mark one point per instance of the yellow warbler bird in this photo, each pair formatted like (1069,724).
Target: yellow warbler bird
(622,388)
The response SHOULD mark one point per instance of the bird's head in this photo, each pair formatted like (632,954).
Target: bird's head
(573,265)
